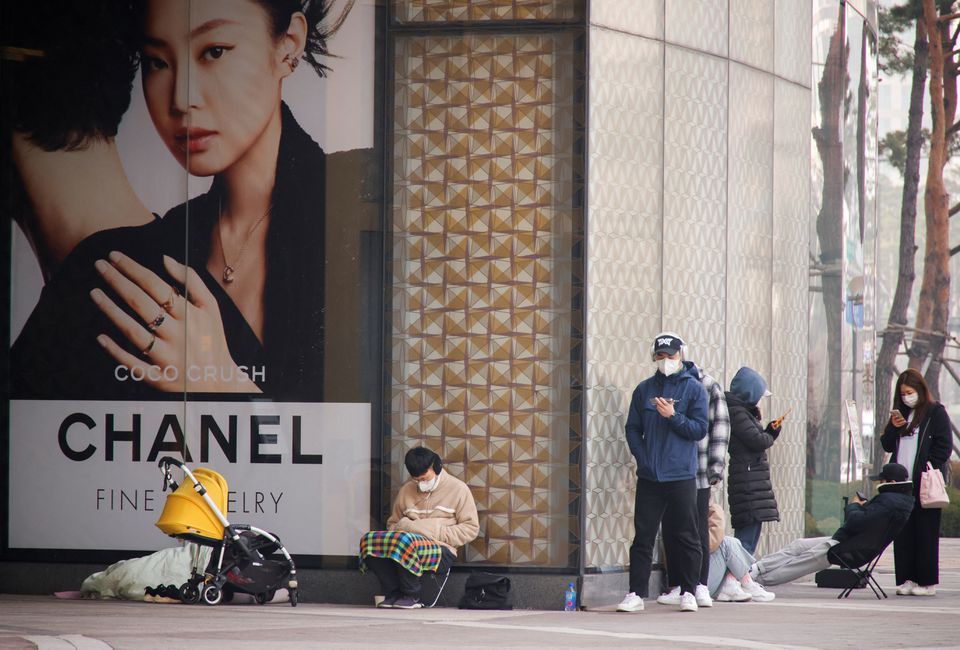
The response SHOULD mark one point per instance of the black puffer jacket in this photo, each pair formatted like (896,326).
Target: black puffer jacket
(750,491)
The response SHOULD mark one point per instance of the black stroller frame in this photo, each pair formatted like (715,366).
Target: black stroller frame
(241,554)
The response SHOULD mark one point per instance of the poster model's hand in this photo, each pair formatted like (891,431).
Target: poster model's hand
(166,348)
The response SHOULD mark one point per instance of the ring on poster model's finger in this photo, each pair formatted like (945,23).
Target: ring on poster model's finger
(153,339)
(168,304)
(157,322)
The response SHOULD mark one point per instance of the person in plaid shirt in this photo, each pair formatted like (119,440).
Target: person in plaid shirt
(711,463)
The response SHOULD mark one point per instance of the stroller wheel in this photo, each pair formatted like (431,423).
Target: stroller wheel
(189,594)
(293,597)
(212,595)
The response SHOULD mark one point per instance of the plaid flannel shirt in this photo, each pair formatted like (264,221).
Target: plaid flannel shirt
(712,449)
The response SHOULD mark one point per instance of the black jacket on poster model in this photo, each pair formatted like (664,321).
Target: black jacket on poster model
(750,490)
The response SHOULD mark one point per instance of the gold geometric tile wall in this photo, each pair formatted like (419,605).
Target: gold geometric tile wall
(418,11)
(481,317)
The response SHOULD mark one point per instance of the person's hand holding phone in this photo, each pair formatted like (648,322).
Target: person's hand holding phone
(664,406)
(896,418)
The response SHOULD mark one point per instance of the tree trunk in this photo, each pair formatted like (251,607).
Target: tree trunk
(824,439)
(893,334)
(933,307)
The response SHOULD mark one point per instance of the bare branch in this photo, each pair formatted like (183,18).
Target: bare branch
(954,250)
(955,209)
(947,18)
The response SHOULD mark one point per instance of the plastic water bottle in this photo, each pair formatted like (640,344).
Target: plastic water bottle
(570,598)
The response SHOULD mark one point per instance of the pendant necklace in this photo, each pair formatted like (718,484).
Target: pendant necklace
(230,269)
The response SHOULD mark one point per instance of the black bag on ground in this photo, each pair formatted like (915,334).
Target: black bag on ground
(839,579)
(486,591)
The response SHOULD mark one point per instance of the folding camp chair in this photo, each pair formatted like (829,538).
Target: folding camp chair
(860,554)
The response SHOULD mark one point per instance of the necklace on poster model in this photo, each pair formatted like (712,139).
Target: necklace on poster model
(230,269)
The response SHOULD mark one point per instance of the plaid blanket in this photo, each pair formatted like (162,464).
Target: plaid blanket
(415,553)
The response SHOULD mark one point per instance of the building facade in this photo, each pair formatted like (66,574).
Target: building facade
(550,183)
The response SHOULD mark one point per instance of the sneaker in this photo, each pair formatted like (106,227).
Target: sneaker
(389,601)
(702,595)
(670,598)
(757,593)
(731,592)
(906,589)
(929,590)
(407,602)
(688,602)
(631,603)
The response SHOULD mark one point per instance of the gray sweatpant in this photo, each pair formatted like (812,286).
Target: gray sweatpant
(795,560)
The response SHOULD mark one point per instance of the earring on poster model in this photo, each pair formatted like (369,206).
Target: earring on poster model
(292,61)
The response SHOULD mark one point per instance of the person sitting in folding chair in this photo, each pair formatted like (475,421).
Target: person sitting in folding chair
(434,514)
(893,504)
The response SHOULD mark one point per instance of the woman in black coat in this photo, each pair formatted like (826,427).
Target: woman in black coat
(750,491)
(918,433)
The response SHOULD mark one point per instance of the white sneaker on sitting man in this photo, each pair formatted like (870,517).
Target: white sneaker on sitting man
(731,591)
(924,590)
(631,603)
(758,593)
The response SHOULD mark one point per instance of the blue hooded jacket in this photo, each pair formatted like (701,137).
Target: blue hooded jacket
(666,449)
(748,385)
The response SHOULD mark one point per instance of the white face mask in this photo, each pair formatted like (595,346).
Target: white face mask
(910,399)
(428,486)
(669,366)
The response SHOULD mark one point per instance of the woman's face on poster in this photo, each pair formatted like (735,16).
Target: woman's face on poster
(211,78)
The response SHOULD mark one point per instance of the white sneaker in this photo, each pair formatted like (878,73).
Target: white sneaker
(758,593)
(731,591)
(702,595)
(670,598)
(631,603)
(688,602)
(924,591)
(906,589)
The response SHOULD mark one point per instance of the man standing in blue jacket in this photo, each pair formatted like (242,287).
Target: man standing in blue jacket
(667,418)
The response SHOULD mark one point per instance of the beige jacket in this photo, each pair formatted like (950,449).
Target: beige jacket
(447,515)
(716,526)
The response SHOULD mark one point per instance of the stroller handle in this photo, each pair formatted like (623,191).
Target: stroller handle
(169,460)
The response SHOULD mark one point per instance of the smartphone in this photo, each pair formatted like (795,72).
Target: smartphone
(896,412)
(861,495)
(653,400)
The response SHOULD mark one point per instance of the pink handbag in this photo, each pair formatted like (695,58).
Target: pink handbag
(933,493)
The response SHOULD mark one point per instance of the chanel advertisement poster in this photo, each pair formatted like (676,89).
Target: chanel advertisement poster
(168,181)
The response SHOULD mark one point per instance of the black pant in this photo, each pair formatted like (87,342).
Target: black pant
(703,515)
(395,580)
(675,504)
(916,550)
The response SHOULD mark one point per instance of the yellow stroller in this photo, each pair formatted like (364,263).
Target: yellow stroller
(244,558)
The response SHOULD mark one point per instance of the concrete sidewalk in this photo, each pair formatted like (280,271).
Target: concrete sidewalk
(802,616)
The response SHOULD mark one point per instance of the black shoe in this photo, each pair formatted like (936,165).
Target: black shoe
(390,601)
(407,602)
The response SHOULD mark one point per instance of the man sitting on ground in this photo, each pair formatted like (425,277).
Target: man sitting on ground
(804,556)
(434,505)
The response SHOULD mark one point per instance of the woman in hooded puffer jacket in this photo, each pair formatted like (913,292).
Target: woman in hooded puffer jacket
(750,491)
